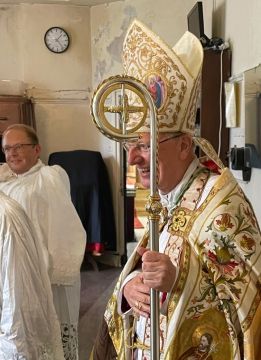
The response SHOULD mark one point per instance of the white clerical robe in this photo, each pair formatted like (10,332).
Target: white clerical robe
(29,327)
(44,193)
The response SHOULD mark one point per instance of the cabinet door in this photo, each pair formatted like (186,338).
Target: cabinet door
(10,113)
(15,110)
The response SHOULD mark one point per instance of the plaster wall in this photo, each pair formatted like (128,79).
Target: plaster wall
(110,22)
(11,60)
(43,69)
(59,84)
(238,22)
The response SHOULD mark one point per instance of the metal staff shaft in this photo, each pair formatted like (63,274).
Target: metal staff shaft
(153,206)
(154,233)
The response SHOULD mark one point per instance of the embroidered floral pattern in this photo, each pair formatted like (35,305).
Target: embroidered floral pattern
(223,260)
(69,335)
(224,222)
(207,297)
(178,220)
(230,240)
(247,243)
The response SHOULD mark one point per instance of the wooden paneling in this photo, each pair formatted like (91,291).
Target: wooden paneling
(214,63)
(15,110)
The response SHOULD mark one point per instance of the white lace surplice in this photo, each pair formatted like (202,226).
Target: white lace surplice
(44,193)
(29,328)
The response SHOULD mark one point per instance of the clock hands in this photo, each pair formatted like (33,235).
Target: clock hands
(57,40)
(59,36)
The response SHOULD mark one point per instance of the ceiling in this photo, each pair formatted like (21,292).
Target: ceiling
(61,2)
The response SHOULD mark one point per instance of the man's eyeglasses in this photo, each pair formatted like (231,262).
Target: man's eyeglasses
(16,147)
(145,148)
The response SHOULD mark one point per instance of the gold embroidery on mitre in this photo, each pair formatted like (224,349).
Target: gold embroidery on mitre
(192,105)
(172,86)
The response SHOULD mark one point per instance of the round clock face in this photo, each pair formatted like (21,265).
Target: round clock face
(56,39)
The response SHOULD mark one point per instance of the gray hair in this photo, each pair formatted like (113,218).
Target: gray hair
(28,130)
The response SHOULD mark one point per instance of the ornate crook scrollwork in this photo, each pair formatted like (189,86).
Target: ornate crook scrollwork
(128,87)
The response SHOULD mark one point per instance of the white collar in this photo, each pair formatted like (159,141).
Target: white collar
(7,174)
(33,169)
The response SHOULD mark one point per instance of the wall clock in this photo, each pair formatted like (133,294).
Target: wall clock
(57,39)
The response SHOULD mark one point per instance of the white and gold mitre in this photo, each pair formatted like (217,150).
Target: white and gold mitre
(171,75)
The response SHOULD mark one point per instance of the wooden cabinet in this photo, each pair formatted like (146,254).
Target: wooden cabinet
(14,110)
(215,63)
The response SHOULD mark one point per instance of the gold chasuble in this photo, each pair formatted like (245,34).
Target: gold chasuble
(213,311)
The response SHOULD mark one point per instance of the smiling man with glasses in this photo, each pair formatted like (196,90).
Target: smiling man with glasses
(21,150)
(208,266)
(44,193)
(176,147)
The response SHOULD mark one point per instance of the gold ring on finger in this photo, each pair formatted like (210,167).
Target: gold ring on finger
(138,304)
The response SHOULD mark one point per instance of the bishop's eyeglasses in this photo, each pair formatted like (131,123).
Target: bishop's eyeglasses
(145,148)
